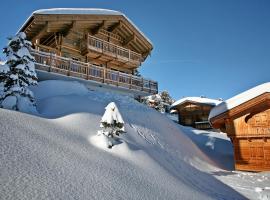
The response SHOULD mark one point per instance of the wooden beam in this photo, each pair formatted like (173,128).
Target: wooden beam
(42,32)
(72,26)
(129,40)
(98,28)
(114,27)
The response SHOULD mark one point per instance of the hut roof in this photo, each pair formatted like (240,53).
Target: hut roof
(200,100)
(240,99)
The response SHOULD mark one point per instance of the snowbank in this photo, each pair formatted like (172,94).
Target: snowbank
(52,88)
(45,158)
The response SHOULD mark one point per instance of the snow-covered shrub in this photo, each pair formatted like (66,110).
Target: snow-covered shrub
(112,124)
(16,75)
(161,102)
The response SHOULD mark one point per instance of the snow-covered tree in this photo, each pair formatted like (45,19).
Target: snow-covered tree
(166,98)
(161,102)
(17,74)
(112,123)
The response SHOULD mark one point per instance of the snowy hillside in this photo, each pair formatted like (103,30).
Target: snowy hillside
(54,155)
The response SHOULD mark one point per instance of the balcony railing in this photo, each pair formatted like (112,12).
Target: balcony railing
(113,50)
(53,63)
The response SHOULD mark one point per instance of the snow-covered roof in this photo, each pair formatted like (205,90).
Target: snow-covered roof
(78,11)
(201,100)
(83,11)
(240,99)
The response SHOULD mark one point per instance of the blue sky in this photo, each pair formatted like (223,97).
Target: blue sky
(213,48)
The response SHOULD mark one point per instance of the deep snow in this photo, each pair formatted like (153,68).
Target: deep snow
(52,156)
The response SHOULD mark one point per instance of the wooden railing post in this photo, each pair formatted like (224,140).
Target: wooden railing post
(104,75)
(118,74)
(50,64)
(69,67)
(130,81)
(87,71)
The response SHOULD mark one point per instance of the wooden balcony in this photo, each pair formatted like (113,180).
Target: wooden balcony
(53,63)
(97,48)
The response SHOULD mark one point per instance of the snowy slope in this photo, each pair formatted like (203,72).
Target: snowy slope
(52,156)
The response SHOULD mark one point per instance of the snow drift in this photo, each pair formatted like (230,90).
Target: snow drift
(50,157)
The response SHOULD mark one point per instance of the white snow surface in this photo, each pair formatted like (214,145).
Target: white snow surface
(85,11)
(202,100)
(77,11)
(240,99)
(53,155)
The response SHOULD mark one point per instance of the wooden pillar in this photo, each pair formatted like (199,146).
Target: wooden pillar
(130,81)
(118,74)
(37,42)
(69,66)
(50,62)
(87,71)
(104,74)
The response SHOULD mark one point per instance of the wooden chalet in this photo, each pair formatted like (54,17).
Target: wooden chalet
(194,111)
(246,120)
(93,44)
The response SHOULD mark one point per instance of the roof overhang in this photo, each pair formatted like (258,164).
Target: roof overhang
(253,106)
(85,16)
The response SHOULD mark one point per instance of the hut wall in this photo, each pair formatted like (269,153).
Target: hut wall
(250,135)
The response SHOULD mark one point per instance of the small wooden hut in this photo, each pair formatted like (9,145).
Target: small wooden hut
(246,120)
(94,44)
(194,111)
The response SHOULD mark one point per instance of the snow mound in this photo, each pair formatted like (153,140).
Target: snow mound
(62,158)
(52,88)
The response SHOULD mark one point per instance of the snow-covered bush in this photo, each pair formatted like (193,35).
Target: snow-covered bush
(16,75)
(112,124)
(161,102)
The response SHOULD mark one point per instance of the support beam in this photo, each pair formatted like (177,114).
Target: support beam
(42,32)
(71,27)
(115,27)
(98,28)
(129,40)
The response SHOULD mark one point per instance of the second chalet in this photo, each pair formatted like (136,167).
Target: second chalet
(194,111)
(98,45)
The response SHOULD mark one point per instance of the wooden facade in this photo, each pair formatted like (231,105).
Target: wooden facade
(103,46)
(193,113)
(248,126)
